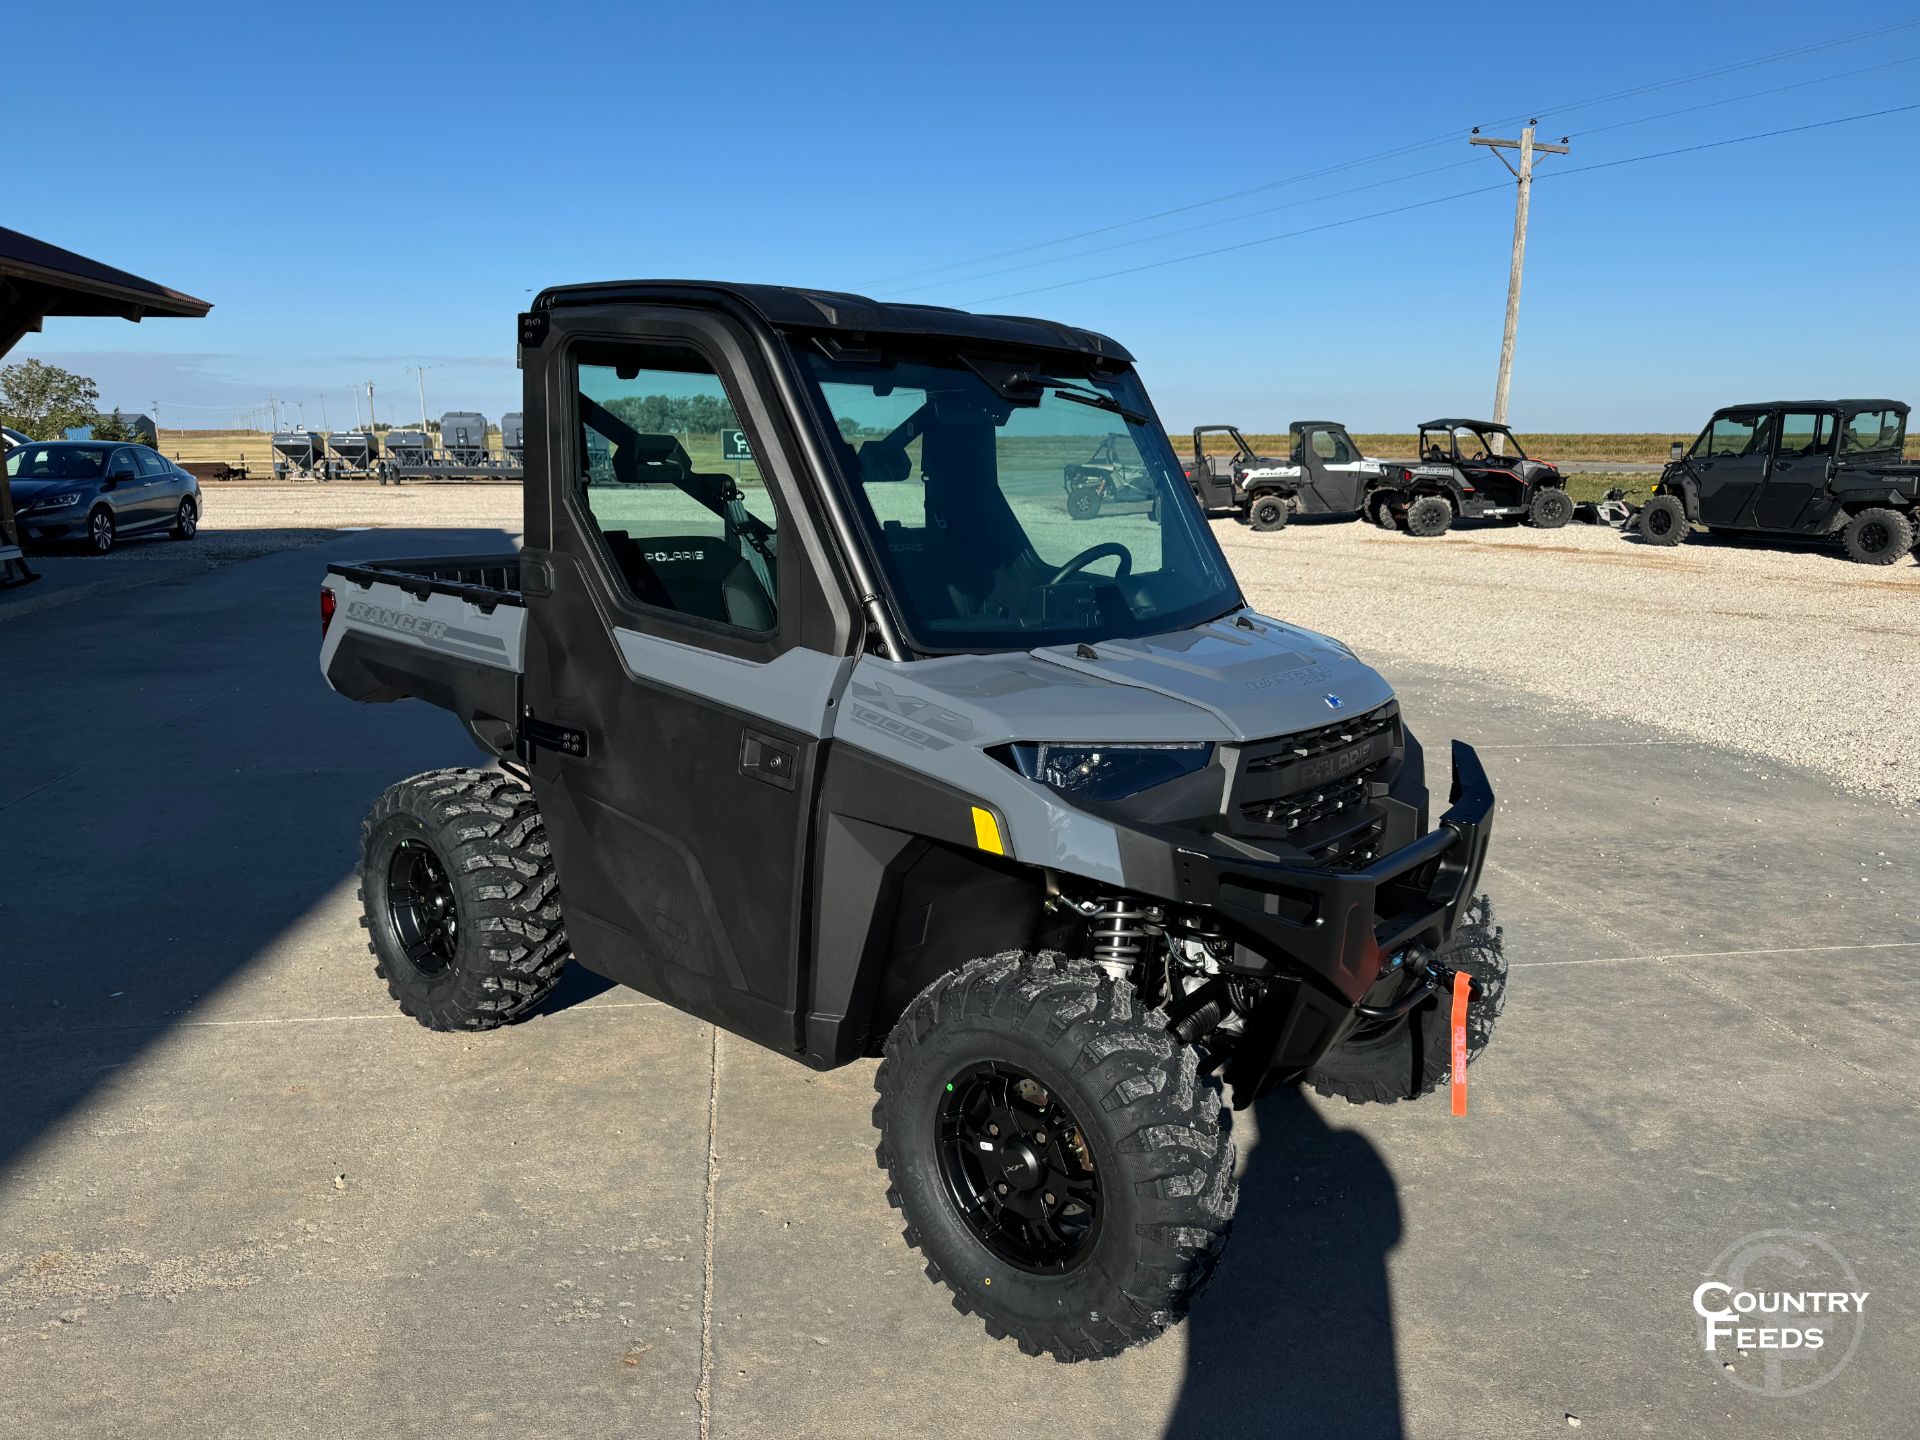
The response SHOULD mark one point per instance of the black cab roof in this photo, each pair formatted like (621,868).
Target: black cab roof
(786,307)
(1467,425)
(1881,404)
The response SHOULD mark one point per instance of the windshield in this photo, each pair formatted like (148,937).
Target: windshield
(55,462)
(1029,511)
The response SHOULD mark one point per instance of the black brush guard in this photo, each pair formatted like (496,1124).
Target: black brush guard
(1323,939)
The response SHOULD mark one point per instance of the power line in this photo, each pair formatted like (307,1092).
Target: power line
(1447,137)
(1441,200)
(1190,229)
(1746,96)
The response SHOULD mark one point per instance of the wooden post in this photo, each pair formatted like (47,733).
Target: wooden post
(1523,195)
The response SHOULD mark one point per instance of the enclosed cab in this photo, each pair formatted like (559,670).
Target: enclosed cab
(1469,470)
(1831,469)
(844,735)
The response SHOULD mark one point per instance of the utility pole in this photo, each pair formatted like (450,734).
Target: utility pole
(1523,175)
(420,374)
(370,419)
(273,410)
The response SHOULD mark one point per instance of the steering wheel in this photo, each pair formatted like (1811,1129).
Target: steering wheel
(1092,553)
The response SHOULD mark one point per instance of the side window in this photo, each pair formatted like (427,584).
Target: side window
(1804,434)
(1732,434)
(1870,430)
(150,464)
(664,469)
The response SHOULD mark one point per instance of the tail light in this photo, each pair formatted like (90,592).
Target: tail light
(327,607)
(1405,475)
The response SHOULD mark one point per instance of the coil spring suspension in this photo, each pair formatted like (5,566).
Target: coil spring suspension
(1119,931)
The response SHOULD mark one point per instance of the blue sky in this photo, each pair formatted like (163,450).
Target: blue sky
(360,189)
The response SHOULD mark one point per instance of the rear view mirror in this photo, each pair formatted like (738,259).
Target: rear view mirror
(1679,450)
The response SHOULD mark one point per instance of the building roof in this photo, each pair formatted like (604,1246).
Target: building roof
(38,280)
(785,307)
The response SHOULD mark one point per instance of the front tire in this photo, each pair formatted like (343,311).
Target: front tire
(1269,512)
(1663,521)
(1084,503)
(1550,509)
(1428,516)
(1057,1157)
(1878,536)
(102,531)
(462,902)
(1381,513)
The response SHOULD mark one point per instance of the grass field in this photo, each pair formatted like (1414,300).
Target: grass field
(1589,452)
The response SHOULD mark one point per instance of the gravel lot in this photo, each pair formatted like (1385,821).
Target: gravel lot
(1793,655)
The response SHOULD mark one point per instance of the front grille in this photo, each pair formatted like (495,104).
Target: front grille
(1309,743)
(1329,810)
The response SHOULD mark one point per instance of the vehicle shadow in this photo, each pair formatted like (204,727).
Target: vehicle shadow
(1295,1336)
(192,793)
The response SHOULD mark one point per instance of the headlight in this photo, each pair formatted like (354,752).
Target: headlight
(56,502)
(1108,772)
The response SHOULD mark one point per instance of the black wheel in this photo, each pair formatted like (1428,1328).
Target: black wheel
(1878,536)
(102,531)
(186,523)
(1663,520)
(1406,1058)
(1269,512)
(1084,503)
(1550,509)
(1428,516)
(462,905)
(1380,511)
(1058,1158)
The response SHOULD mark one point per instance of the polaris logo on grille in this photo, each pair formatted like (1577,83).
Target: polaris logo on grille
(1322,768)
(667,557)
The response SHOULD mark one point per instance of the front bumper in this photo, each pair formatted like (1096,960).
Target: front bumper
(1324,939)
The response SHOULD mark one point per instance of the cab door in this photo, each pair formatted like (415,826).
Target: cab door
(683,653)
(1794,493)
(1335,477)
(1732,467)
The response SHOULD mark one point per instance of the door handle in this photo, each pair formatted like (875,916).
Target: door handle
(770,761)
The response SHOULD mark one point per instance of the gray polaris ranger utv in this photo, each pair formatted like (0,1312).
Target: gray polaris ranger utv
(867,746)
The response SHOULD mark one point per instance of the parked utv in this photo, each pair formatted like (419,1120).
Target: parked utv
(1825,468)
(1036,810)
(1469,469)
(1109,476)
(1324,473)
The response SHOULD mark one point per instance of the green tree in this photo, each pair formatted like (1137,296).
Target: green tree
(109,426)
(45,401)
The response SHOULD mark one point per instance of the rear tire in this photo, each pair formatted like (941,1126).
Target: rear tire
(1550,509)
(186,524)
(1663,521)
(1380,511)
(1147,1157)
(1878,536)
(1428,516)
(462,902)
(1269,512)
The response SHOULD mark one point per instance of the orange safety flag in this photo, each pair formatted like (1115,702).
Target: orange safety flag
(1462,989)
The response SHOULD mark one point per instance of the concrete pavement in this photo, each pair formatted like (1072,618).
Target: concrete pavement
(240,1195)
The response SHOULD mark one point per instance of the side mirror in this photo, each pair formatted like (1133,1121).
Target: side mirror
(1679,450)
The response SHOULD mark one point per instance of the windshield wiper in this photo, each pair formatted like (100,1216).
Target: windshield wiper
(1098,401)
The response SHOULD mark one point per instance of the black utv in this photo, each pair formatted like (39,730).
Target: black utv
(1472,470)
(1822,468)
(862,747)
(1323,473)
